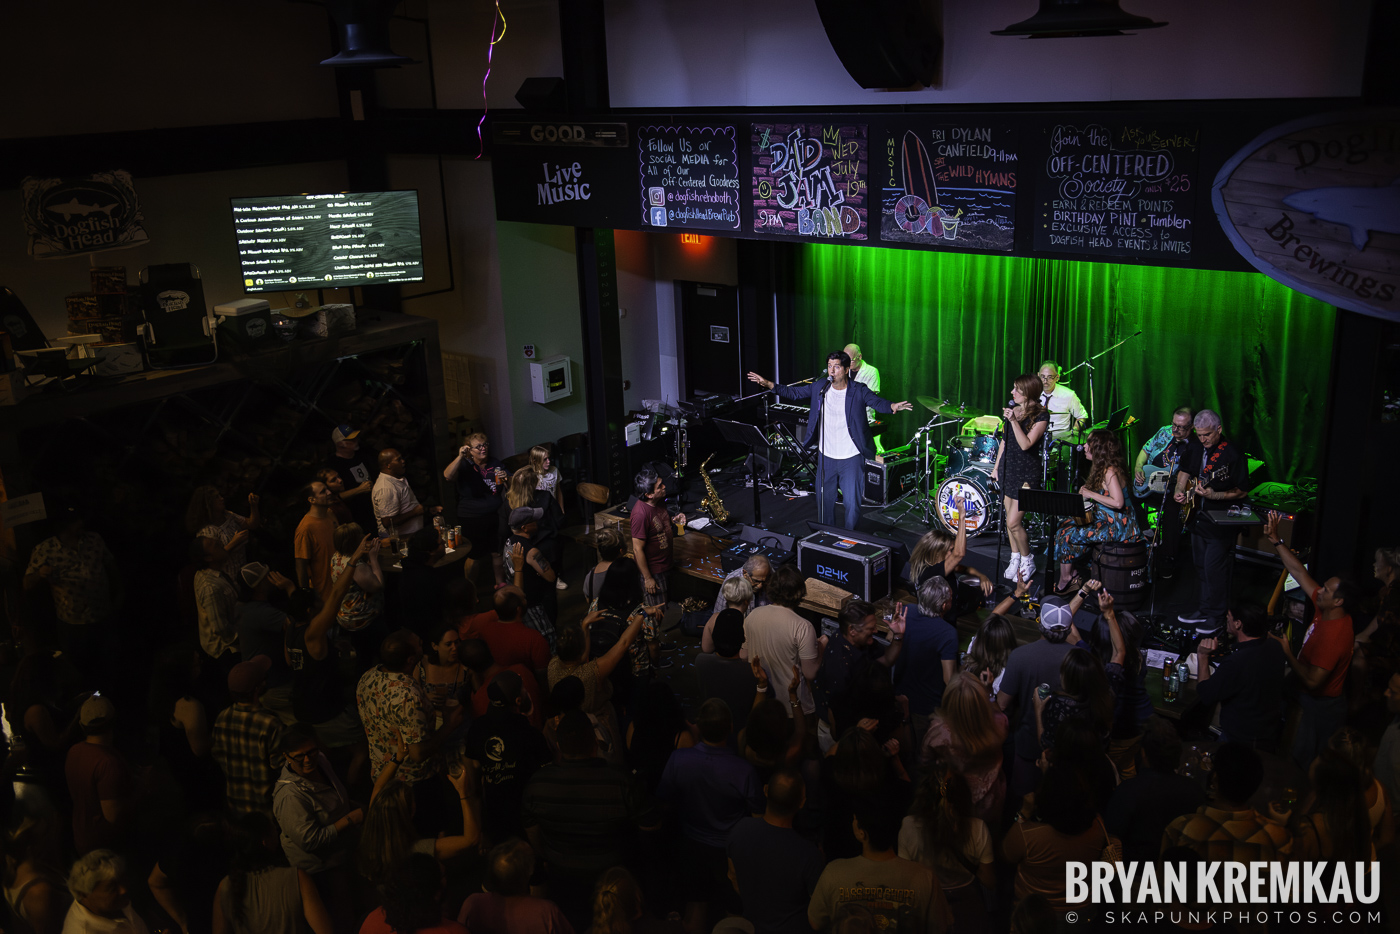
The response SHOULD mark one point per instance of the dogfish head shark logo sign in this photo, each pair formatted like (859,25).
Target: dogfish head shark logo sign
(66,217)
(1315,204)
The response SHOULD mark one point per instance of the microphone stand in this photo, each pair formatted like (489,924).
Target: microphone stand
(821,461)
(1089,366)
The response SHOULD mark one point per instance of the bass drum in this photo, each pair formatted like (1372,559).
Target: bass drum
(975,486)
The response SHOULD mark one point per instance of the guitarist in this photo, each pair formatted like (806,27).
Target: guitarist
(1161,452)
(1211,469)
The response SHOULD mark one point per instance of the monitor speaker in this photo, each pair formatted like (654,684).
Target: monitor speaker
(885,43)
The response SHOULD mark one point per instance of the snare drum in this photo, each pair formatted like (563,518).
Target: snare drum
(984,450)
(975,486)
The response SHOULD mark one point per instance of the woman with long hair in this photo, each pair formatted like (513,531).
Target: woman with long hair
(523,490)
(611,543)
(988,651)
(260,895)
(941,832)
(223,534)
(548,479)
(440,671)
(937,552)
(618,906)
(35,891)
(1113,518)
(388,836)
(1353,745)
(1084,694)
(1018,465)
(1335,825)
(967,732)
(363,605)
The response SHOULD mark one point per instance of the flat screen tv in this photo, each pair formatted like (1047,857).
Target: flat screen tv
(289,242)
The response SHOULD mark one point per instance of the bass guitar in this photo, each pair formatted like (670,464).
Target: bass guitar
(1157,479)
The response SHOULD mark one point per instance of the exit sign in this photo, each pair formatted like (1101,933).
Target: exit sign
(692,238)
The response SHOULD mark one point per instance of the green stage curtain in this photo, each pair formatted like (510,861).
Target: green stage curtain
(962,326)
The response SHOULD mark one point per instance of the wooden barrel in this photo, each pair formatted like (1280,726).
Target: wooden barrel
(1122,566)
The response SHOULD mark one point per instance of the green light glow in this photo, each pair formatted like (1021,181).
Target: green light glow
(962,326)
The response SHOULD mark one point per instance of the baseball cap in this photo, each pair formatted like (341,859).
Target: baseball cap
(245,677)
(523,514)
(254,573)
(1055,615)
(96,708)
(344,433)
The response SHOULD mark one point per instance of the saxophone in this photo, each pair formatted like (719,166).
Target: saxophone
(712,503)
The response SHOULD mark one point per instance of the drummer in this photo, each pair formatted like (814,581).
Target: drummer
(1066,411)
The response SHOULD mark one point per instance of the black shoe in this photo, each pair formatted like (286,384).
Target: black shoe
(663,663)
(1192,618)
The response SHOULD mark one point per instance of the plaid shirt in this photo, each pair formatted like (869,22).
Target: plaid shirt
(1234,836)
(245,746)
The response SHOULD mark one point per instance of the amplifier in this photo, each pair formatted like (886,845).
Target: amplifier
(887,482)
(733,558)
(860,567)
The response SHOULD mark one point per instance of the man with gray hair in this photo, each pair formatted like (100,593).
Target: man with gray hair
(97,882)
(930,656)
(756,571)
(1212,471)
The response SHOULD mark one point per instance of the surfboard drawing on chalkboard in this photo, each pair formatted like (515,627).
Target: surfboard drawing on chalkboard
(919,211)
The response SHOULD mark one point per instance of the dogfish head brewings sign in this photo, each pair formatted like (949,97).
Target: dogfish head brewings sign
(71,216)
(562,173)
(689,176)
(1315,204)
(1127,189)
(809,180)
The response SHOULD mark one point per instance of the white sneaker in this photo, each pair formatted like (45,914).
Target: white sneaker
(560,585)
(1013,568)
(1027,569)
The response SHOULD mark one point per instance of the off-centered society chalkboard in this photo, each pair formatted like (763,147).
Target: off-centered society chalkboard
(1124,189)
(689,176)
(809,179)
(949,185)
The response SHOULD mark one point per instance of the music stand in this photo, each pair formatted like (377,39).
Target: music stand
(749,436)
(1050,503)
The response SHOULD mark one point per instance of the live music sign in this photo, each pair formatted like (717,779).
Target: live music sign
(1315,204)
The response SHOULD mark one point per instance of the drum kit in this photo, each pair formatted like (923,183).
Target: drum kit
(963,467)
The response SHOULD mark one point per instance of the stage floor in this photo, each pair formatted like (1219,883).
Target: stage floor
(1253,581)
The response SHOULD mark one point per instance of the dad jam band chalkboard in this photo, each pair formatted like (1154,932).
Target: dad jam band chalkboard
(948,185)
(690,176)
(809,179)
(1118,190)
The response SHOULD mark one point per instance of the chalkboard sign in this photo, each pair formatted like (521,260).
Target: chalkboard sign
(949,185)
(690,176)
(1118,190)
(809,179)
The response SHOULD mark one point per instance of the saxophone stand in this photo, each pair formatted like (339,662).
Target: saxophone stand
(755,440)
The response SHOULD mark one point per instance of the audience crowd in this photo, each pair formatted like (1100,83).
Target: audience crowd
(345,734)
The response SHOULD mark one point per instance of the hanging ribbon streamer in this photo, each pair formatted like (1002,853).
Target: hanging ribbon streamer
(490,50)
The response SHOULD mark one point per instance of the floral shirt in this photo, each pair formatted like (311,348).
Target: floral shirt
(79,577)
(358,609)
(223,533)
(549,481)
(390,701)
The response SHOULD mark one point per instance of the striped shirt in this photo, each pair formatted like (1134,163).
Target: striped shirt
(245,746)
(585,809)
(1234,836)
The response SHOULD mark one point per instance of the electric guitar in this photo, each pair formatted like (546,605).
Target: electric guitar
(1189,507)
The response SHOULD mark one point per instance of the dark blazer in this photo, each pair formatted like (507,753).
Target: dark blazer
(858,397)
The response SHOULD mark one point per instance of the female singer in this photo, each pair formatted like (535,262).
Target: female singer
(1019,465)
(1113,519)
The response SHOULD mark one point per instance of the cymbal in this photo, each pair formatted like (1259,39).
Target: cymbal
(1075,436)
(951,409)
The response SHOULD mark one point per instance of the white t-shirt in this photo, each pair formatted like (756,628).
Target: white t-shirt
(1063,404)
(836,439)
(781,639)
(392,496)
(870,376)
(978,849)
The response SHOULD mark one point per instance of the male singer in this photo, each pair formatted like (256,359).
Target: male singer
(838,407)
